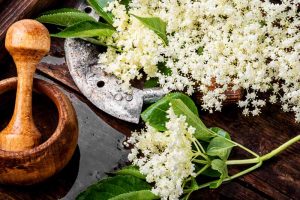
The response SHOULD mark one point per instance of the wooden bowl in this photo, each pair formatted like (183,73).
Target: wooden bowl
(37,164)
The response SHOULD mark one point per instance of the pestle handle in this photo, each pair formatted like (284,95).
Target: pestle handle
(28,41)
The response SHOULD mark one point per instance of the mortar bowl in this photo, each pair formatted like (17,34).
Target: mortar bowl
(40,163)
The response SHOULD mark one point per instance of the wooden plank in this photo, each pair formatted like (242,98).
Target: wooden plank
(233,190)
(279,177)
(11,11)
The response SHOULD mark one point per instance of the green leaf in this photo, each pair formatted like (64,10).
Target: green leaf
(151,83)
(155,24)
(138,195)
(117,187)
(131,170)
(61,10)
(156,114)
(64,17)
(162,68)
(211,173)
(154,82)
(194,184)
(86,29)
(125,3)
(219,146)
(99,5)
(200,51)
(201,133)
(221,167)
(221,132)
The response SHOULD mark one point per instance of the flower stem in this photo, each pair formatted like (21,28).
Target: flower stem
(280,148)
(266,156)
(257,161)
(200,161)
(242,162)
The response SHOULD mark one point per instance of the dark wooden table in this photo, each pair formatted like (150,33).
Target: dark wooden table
(100,150)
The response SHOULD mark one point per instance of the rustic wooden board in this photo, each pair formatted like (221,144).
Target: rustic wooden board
(11,11)
(279,178)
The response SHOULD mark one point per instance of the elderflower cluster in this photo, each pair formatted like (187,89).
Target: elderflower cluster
(140,48)
(249,44)
(165,157)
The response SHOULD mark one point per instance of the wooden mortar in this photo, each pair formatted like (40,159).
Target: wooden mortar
(37,164)
(22,159)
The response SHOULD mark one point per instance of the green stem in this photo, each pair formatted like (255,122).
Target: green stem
(227,179)
(243,162)
(203,169)
(244,171)
(199,172)
(280,148)
(257,161)
(200,161)
(200,145)
(266,156)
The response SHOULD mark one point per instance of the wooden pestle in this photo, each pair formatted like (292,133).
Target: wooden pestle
(28,41)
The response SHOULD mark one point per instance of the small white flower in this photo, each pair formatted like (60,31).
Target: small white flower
(165,157)
(251,44)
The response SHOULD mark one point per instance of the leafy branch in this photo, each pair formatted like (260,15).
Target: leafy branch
(78,24)
(210,152)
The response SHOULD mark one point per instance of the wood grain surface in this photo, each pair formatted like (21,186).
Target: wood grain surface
(14,10)
(278,178)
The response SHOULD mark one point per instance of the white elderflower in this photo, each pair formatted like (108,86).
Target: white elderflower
(248,44)
(165,157)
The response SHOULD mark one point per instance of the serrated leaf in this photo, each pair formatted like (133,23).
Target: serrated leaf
(86,29)
(155,24)
(201,133)
(116,187)
(156,114)
(64,17)
(219,146)
(220,166)
(131,170)
(61,10)
(137,195)
(99,5)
